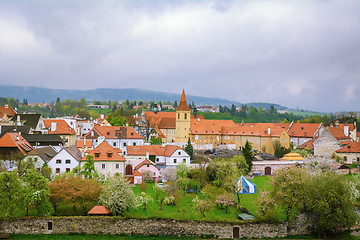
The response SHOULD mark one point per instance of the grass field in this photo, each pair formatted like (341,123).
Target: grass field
(183,210)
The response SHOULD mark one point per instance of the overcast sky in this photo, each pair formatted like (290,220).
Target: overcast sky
(294,53)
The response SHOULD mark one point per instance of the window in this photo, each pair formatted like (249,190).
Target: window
(114,144)
(67,161)
(58,161)
(184,160)
(174,160)
(49,225)
(30,159)
(345,158)
(179,152)
(134,144)
(185,116)
(97,155)
(178,115)
(57,170)
(117,166)
(109,155)
(103,166)
(124,144)
(147,165)
(35,159)
(358,159)
(157,159)
(67,169)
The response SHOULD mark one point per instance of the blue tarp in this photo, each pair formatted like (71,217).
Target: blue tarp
(245,185)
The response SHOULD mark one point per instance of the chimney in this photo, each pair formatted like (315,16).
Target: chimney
(269,131)
(53,127)
(18,120)
(337,123)
(147,155)
(102,116)
(127,124)
(6,105)
(17,138)
(346,130)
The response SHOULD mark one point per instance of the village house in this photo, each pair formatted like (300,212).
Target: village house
(34,121)
(302,132)
(14,144)
(61,128)
(65,160)
(116,136)
(350,153)
(40,156)
(107,160)
(102,120)
(326,144)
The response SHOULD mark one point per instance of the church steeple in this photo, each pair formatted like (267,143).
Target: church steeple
(183,106)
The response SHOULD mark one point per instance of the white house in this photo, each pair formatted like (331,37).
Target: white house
(65,160)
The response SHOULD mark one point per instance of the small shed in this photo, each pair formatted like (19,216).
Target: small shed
(99,211)
(293,156)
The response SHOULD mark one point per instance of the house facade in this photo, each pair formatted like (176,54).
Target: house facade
(65,160)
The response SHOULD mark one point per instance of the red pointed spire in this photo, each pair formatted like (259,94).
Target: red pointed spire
(183,104)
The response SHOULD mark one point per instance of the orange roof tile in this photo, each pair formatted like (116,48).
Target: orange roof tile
(338,133)
(145,162)
(303,129)
(99,210)
(80,143)
(161,134)
(157,150)
(113,132)
(183,104)
(353,147)
(62,128)
(309,144)
(104,149)
(137,173)
(198,126)
(253,129)
(15,140)
(9,111)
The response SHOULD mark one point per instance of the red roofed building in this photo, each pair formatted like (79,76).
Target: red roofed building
(350,153)
(14,143)
(108,160)
(116,136)
(61,128)
(302,132)
(7,112)
(99,211)
(309,144)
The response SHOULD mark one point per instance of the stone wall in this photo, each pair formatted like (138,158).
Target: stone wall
(112,225)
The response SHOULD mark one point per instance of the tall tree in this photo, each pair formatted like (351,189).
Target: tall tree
(12,194)
(89,170)
(189,149)
(248,154)
(233,110)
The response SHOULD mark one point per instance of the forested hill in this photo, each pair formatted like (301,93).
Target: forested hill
(37,94)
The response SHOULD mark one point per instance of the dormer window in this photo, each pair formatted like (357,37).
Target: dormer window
(108,133)
(109,155)
(97,155)
(132,134)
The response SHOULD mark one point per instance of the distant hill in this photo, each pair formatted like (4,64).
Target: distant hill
(37,94)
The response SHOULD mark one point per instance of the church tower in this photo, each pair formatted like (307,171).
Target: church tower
(183,113)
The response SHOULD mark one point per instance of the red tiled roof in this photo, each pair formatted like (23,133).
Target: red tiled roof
(303,129)
(161,134)
(80,143)
(113,132)
(183,104)
(145,162)
(254,129)
(62,128)
(137,173)
(104,149)
(15,140)
(353,147)
(209,126)
(99,210)
(309,144)
(157,150)
(338,133)
(9,111)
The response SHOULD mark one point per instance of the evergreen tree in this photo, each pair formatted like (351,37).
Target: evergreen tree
(248,155)
(189,149)
(233,110)
(175,106)
(89,170)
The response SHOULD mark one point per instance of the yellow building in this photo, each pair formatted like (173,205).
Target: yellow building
(183,113)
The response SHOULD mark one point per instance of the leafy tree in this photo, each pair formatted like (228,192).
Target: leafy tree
(118,121)
(226,199)
(159,194)
(182,179)
(279,151)
(189,149)
(118,196)
(203,205)
(89,170)
(144,199)
(37,194)
(12,194)
(248,154)
(82,103)
(155,141)
(169,174)
(233,110)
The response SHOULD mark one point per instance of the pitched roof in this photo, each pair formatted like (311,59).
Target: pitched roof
(15,140)
(99,210)
(62,127)
(204,126)
(137,173)
(106,153)
(145,162)
(80,143)
(40,138)
(353,147)
(303,129)
(183,104)
(12,129)
(338,133)
(113,132)
(74,152)
(45,153)
(308,144)
(30,120)
(9,111)
(157,150)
